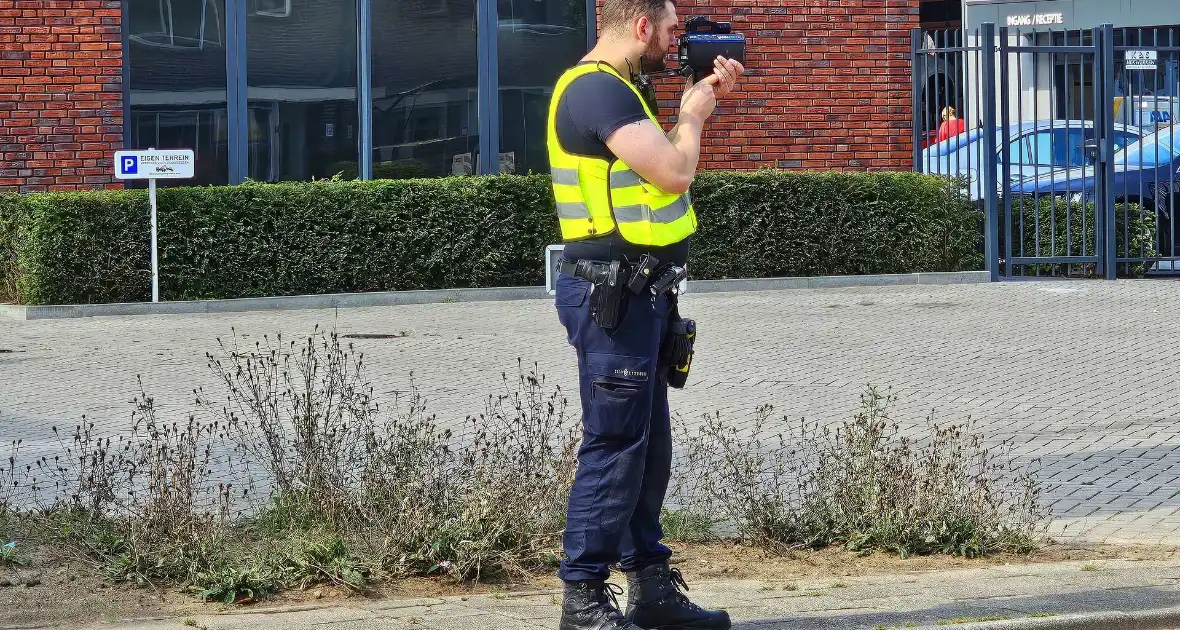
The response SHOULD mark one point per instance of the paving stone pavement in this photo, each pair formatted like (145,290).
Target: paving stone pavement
(1080,374)
(894,600)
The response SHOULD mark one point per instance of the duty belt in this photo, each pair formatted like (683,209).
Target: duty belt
(644,275)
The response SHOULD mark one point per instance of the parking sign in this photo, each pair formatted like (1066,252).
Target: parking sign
(155,164)
(152,165)
(129,165)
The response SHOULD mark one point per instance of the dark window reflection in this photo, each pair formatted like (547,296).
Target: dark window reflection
(302,117)
(178,82)
(301,75)
(538,40)
(425,62)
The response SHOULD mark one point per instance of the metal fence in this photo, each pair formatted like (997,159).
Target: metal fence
(1063,138)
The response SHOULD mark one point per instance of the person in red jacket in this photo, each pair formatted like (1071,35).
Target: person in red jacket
(952,125)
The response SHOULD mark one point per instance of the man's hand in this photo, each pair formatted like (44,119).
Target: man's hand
(700,99)
(728,71)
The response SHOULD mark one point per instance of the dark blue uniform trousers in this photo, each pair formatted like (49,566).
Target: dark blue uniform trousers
(625,459)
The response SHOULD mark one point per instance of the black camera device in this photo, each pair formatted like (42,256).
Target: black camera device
(703,41)
(700,45)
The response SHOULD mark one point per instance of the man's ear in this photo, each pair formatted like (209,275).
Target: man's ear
(642,26)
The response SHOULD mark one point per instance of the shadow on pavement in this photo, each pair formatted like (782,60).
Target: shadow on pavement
(1111,481)
(1099,600)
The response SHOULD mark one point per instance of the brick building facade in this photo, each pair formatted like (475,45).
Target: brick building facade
(828,86)
(61,93)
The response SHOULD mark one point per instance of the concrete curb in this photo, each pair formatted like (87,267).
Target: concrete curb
(836,282)
(294,302)
(501,294)
(1155,619)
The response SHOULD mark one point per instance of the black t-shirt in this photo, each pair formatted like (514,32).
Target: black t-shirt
(592,107)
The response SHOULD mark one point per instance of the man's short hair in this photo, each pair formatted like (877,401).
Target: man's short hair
(620,13)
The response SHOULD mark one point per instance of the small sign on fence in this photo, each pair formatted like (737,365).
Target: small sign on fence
(1142,59)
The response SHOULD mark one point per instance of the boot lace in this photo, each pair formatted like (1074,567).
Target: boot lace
(608,602)
(612,592)
(681,587)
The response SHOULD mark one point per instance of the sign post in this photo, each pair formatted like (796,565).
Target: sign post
(152,165)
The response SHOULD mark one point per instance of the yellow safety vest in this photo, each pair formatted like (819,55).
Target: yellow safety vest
(595,196)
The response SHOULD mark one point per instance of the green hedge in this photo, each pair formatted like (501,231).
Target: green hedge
(11,220)
(774,224)
(398,169)
(350,236)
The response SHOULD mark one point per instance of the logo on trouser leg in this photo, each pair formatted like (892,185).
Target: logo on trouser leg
(629,373)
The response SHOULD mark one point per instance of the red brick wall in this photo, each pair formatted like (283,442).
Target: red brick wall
(61,93)
(827,85)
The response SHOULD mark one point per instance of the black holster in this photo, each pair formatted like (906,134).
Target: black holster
(608,296)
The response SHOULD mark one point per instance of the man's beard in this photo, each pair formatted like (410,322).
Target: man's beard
(653,58)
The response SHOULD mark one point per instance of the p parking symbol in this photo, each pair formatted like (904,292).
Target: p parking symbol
(129,165)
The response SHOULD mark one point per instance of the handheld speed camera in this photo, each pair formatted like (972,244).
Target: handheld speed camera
(703,41)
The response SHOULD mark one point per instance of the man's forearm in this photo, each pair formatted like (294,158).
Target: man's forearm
(686,137)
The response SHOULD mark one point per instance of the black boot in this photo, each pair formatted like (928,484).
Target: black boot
(591,605)
(655,602)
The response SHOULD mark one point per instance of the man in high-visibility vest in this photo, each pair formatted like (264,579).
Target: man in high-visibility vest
(621,188)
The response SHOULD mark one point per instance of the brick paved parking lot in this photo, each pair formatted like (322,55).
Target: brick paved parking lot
(1082,375)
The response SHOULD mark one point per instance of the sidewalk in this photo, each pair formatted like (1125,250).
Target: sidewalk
(1057,595)
(1077,374)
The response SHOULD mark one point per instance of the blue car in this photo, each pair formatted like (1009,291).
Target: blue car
(1145,172)
(1036,149)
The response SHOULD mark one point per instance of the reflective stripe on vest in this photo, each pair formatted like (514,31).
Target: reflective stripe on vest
(623,214)
(623,179)
(667,214)
(572,210)
(564,176)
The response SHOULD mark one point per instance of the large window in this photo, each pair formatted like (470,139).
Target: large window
(270,90)
(425,61)
(301,88)
(537,41)
(178,82)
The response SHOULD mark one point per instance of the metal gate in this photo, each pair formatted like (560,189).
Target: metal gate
(1062,138)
